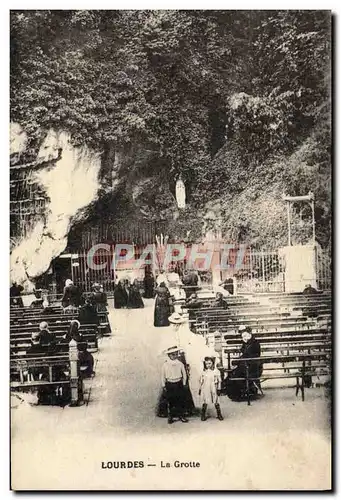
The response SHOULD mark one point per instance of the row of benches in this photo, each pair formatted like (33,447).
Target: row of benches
(293,345)
(61,367)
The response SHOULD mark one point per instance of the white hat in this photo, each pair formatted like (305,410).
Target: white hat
(172,349)
(242,329)
(176,319)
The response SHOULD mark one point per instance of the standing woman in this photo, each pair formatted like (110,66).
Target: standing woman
(99,297)
(134,298)
(162,308)
(149,284)
(182,338)
(120,296)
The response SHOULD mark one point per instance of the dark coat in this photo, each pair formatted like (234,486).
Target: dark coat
(47,338)
(88,315)
(100,299)
(228,285)
(251,349)
(14,293)
(190,282)
(162,309)
(72,296)
(236,389)
(149,284)
(120,296)
(134,298)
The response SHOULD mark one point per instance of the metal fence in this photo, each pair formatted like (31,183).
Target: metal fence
(323,265)
(261,271)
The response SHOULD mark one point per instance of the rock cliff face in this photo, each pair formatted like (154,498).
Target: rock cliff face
(70,183)
(82,187)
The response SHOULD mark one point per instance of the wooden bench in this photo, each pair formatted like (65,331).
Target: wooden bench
(23,333)
(104,326)
(23,343)
(222,323)
(298,367)
(23,373)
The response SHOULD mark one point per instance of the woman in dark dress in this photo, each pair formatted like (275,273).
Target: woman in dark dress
(162,308)
(99,298)
(72,296)
(14,293)
(236,389)
(88,313)
(149,284)
(134,297)
(120,296)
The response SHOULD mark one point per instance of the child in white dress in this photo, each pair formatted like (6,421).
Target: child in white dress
(210,386)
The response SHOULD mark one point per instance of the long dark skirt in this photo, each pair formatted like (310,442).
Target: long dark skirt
(236,390)
(162,312)
(149,288)
(135,300)
(178,401)
(120,298)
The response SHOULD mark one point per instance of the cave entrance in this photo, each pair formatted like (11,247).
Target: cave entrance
(62,270)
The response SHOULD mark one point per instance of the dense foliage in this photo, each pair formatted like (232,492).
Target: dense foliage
(235,101)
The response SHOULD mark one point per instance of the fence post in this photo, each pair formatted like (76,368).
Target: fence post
(74,372)
(263,270)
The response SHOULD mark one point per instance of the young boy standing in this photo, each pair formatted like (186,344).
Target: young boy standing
(173,380)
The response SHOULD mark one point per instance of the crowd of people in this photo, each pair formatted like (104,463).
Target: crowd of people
(176,400)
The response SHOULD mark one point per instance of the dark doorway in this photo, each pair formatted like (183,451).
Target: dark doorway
(62,271)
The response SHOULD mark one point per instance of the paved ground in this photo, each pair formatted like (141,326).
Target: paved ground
(277,443)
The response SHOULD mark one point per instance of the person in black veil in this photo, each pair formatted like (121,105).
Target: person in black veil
(236,389)
(120,296)
(134,297)
(149,284)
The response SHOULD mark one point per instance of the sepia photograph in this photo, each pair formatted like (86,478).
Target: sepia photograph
(171,250)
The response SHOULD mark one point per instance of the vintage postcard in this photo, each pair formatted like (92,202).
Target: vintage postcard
(170,272)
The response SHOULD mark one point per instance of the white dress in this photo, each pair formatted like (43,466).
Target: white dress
(210,381)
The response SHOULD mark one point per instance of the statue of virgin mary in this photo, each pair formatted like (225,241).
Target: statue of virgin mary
(180,193)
